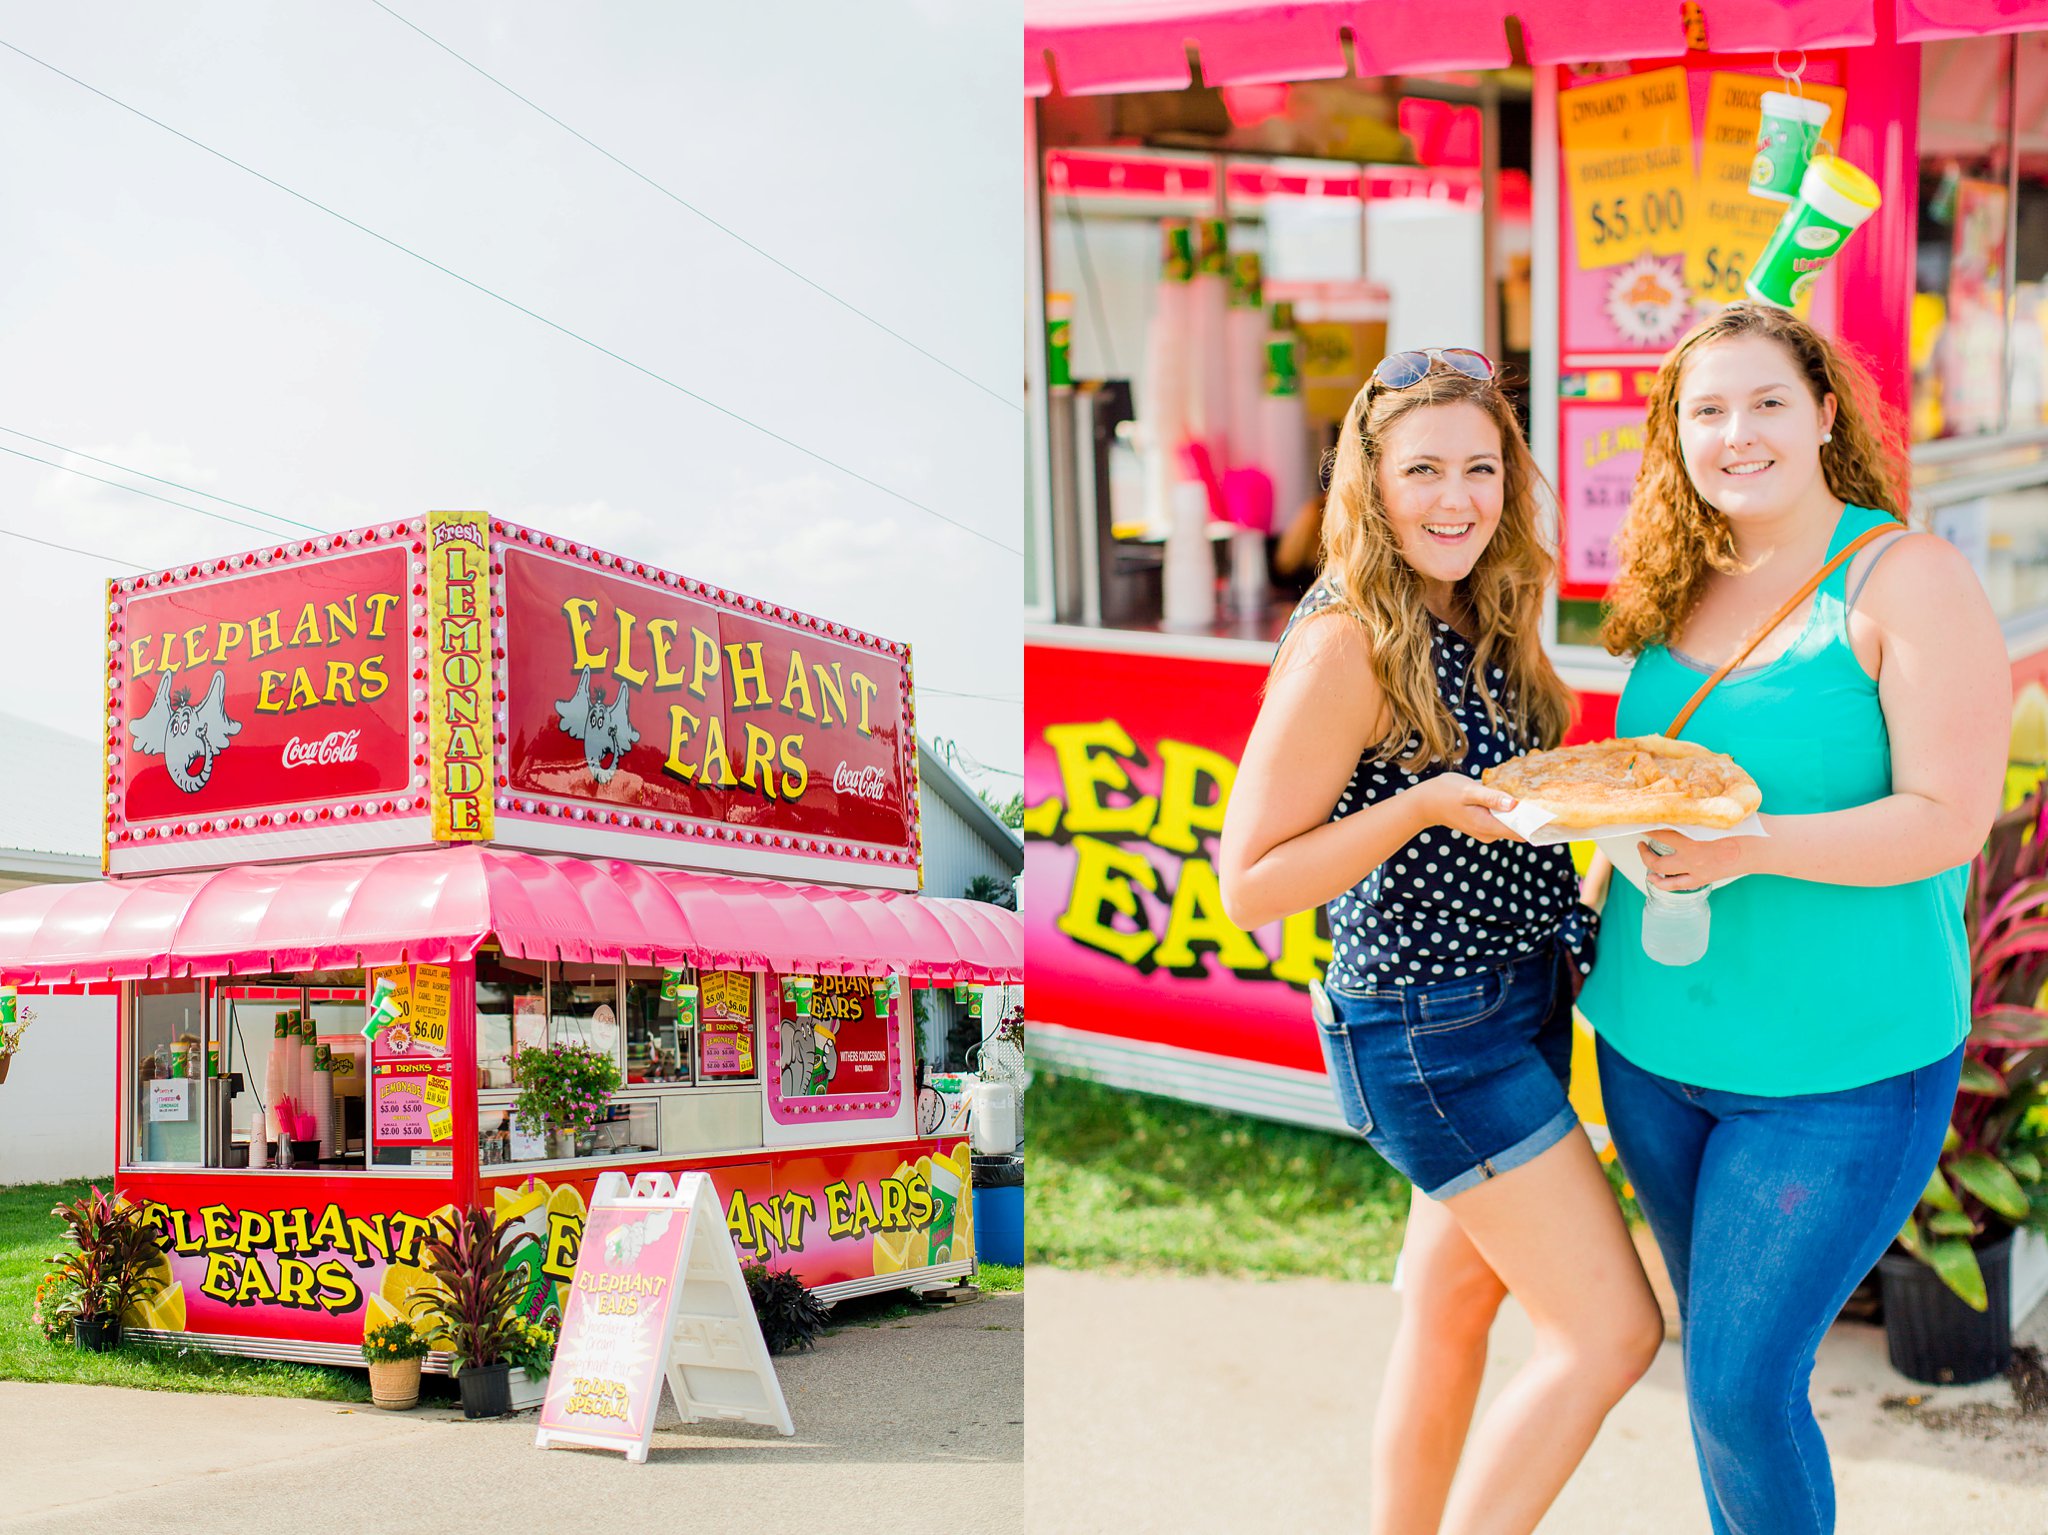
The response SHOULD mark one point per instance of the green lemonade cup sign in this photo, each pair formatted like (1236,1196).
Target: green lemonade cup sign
(685,1000)
(8,999)
(804,987)
(1247,281)
(945,1205)
(1785,142)
(1834,200)
(1215,248)
(383,1006)
(1059,340)
(1176,250)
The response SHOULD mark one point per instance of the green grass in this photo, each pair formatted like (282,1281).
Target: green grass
(997,1278)
(1127,1180)
(29,1234)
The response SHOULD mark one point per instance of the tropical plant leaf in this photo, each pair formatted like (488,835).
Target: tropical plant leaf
(2024,1166)
(1951,1223)
(1938,1195)
(2011,1026)
(2026,938)
(1982,1079)
(1951,1139)
(1956,1262)
(1909,1238)
(1986,1177)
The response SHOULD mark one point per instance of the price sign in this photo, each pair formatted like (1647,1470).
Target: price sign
(1602,449)
(1730,228)
(1628,165)
(430,995)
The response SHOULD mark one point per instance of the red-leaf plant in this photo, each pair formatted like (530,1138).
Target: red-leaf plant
(469,1311)
(112,1255)
(1990,1175)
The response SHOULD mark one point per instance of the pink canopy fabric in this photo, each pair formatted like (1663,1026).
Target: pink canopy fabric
(1098,46)
(439,904)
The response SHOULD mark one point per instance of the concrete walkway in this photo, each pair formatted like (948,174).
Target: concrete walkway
(910,1424)
(1192,1405)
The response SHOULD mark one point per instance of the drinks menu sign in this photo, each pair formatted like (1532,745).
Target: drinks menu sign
(411,1072)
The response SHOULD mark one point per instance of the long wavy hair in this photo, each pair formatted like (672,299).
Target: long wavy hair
(1502,597)
(1673,539)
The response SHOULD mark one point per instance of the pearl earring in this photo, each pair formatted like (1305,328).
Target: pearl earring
(1826,438)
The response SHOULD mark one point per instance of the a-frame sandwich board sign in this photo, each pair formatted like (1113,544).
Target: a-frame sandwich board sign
(657,1294)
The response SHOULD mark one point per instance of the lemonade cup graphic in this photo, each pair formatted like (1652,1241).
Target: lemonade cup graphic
(1834,200)
(945,1180)
(1786,139)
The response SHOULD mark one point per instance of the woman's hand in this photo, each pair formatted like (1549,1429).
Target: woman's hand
(1692,863)
(1461,804)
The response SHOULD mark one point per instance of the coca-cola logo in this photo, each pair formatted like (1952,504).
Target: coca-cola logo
(861,783)
(335,746)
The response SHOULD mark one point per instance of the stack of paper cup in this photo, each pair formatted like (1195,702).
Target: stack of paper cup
(1189,577)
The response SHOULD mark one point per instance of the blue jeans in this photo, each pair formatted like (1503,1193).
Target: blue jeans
(1769,1211)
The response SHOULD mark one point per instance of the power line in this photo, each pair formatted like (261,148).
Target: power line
(701,399)
(191,490)
(949,693)
(67,549)
(674,197)
(137,490)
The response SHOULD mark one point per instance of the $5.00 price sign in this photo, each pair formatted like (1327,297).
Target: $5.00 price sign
(1628,164)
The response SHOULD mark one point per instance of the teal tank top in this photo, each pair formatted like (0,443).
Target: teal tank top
(1805,987)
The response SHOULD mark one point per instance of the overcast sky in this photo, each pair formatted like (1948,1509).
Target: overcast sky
(166,311)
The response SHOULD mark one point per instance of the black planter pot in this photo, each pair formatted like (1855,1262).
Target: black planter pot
(1931,1335)
(98,1335)
(486,1390)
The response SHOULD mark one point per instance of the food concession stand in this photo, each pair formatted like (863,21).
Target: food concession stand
(384,806)
(1560,184)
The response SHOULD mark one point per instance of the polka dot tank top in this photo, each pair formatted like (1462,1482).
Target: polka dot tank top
(1444,905)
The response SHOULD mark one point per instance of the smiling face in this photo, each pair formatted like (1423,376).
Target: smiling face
(1440,480)
(1749,429)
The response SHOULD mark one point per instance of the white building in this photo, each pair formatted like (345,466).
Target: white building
(56,1107)
(962,838)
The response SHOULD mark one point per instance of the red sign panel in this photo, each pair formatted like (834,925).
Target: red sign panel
(235,696)
(671,706)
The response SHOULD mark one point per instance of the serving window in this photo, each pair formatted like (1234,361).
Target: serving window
(259,1072)
(690,1076)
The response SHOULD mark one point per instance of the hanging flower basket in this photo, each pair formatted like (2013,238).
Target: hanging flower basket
(563,1088)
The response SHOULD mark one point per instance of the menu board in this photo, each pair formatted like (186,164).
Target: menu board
(1627,164)
(725,1023)
(411,1071)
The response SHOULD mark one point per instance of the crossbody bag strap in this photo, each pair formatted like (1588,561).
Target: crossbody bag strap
(1757,638)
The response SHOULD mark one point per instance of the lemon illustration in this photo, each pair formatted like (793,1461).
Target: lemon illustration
(515,1204)
(163,1311)
(893,1251)
(567,1201)
(2030,725)
(378,1312)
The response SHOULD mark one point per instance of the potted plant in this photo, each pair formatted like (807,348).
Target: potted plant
(13,1027)
(1946,1284)
(791,1316)
(468,1308)
(394,1352)
(563,1089)
(113,1261)
(530,1348)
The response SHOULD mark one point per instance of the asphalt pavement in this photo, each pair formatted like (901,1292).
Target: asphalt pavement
(915,1423)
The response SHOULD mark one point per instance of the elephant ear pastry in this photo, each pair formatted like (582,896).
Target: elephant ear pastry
(1630,780)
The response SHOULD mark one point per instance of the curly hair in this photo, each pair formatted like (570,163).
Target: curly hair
(1503,594)
(1673,538)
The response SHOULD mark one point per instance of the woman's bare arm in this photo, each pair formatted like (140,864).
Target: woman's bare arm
(1280,852)
(1944,682)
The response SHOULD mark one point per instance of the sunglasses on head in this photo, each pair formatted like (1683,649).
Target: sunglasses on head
(1404,370)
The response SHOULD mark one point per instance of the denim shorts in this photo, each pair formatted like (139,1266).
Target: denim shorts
(1457,1081)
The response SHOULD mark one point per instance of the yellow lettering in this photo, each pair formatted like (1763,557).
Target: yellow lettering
(341,682)
(798,682)
(761,756)
(745,666)
(375,683)
(682,724)
(1105,874)
(714,752)
(706,661)
(625,671)
(381,603)
(1091,758)
(831,690)
(662,631)
(263,634)
(797,775)
(341,620)
(193,650)
(865,688)
(1197,917)
(307,630)
(1184,816)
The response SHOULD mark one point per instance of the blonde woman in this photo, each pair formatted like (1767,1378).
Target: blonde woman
(1414,664)
(1780,1103)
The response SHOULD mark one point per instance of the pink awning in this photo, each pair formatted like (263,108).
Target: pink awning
(1098,46)
(436,905)
(1921,21)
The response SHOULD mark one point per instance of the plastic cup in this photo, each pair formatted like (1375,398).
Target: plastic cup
(1785,143)
(1834,199)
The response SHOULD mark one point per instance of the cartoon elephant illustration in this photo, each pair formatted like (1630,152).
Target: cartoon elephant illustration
(606,730)
(187,738)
